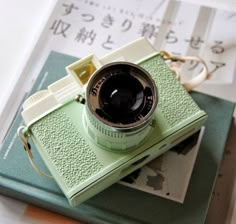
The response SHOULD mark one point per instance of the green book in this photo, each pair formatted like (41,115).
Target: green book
(118,203)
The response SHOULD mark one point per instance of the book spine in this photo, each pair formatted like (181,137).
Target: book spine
(58,203)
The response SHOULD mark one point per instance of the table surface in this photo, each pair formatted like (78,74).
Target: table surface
(19,21)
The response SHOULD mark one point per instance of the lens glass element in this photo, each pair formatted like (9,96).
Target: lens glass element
(121,96)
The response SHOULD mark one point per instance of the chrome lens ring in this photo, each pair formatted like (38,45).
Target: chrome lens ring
(122,95)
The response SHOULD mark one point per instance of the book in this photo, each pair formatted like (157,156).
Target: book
(118,203)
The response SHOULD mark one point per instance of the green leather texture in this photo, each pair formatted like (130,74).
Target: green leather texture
(67,148)
(174,103)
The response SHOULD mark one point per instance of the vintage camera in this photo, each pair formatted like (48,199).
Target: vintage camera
(108,117)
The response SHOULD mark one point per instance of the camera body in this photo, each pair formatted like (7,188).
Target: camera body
(87,150)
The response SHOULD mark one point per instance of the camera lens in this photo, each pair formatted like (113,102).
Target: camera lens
(122,95)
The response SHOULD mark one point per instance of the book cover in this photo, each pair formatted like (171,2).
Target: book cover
(117,204)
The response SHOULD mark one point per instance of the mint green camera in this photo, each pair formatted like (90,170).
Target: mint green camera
(108,117)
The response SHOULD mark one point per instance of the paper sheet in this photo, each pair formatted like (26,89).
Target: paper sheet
(168,176)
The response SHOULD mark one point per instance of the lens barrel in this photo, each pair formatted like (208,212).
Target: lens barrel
(121,98)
